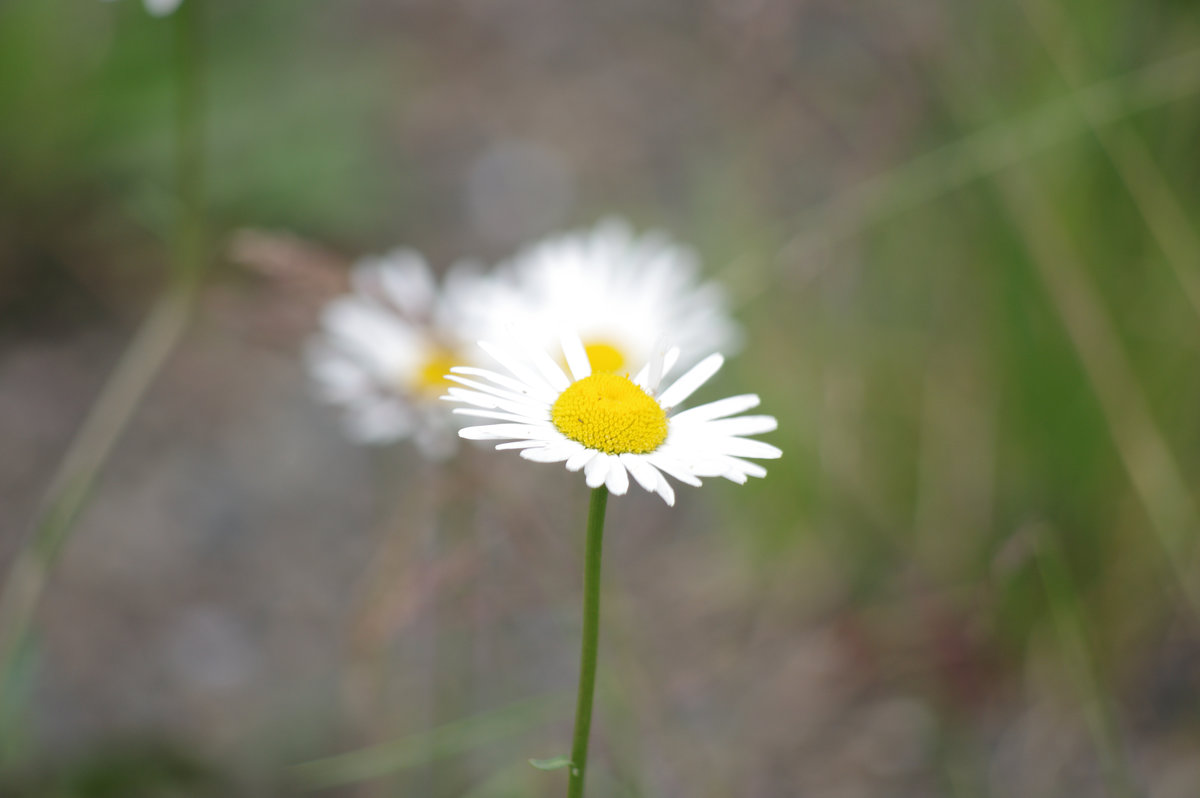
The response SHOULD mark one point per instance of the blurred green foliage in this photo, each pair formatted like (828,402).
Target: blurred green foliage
(87,88)
(130,770)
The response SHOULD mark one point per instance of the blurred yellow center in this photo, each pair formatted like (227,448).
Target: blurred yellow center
(610,413)
(604,356)
(431,377)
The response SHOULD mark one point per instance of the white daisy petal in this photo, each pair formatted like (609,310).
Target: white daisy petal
(497,431)
(686,385)
(406,280)
(487,396)
(741,425)
(551,371)
(618,479)
(576,448)
(519,444)
(664,489)
(476,398)
(669,360)
(535,411)
(363,332)
(576,355)
(734,475)
(642,471)
(651,374)
(581,459)
(337,379)
(746,447)
(596,470)
(503,393)
(718,409)
(494,414)
(709,466)
(747,468)
(511,362)
(700,456)
(554,453)
(666,461)
(503,381)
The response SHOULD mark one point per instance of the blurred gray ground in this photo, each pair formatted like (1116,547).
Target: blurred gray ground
(220,550)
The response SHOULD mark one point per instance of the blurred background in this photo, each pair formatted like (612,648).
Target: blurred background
(963,239)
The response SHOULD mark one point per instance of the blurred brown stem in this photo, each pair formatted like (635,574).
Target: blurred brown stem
(1077,654)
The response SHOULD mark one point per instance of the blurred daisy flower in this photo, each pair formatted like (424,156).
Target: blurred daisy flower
(611,426)
(161,8)
(624,293)
(385,347)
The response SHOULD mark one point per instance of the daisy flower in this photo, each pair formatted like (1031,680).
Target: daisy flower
(624,293)
(611,426)
(385,347)
(161,8)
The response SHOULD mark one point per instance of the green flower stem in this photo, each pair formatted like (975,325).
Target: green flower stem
(189,247)
(591,643)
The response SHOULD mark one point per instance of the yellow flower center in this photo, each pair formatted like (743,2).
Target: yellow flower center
(610,413)
(431,376)
(604,356)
